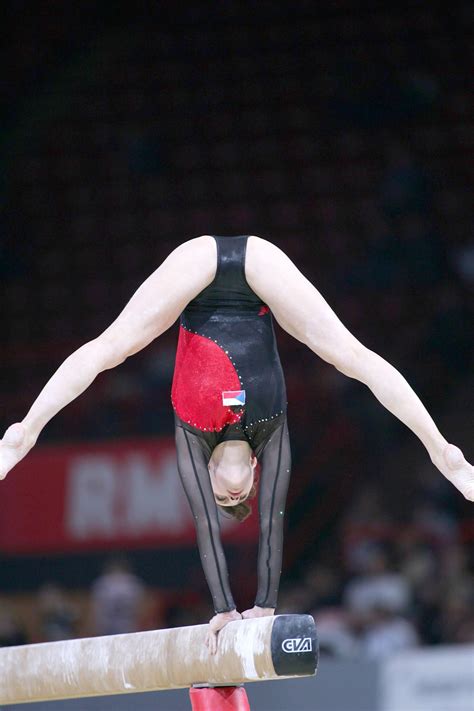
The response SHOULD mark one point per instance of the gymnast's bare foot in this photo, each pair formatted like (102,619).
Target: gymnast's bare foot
(16,443)
(216,624)
(450,461)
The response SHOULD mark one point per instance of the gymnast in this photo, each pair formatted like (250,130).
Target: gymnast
(228,392)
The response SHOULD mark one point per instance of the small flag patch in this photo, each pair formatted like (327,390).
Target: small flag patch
(233,397)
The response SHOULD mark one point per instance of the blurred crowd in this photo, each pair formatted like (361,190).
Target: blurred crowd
(393,585)
(117,603)
(389,586)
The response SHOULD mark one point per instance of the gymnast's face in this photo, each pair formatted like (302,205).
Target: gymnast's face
(231,470)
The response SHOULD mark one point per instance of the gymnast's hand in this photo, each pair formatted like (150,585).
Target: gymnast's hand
(16,444)
(450,461)
(216,624)
(258,612)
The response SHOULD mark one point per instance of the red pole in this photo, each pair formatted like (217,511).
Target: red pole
(220,698)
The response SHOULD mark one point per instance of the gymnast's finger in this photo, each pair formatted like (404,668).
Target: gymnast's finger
(211,642)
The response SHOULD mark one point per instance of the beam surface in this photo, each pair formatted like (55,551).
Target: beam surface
(248,650)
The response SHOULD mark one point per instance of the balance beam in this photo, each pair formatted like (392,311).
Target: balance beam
(248,650)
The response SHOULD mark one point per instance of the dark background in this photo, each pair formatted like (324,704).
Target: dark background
(343,132)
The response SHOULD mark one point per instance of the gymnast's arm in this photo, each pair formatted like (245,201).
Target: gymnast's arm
(274,479)
(153,308)
(301,310)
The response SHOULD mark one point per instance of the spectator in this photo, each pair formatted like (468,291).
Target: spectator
(386,632)
(462,258)
(11,632)
(457,617)
(58,616)
(324,586)
(335,635)
(117,599)
(378,586)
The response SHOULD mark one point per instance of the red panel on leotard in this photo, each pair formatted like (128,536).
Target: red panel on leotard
(202,372)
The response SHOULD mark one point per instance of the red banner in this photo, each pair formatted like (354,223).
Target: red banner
(99,497)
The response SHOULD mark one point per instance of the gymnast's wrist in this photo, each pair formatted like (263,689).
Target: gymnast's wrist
(264,605)
(222,612)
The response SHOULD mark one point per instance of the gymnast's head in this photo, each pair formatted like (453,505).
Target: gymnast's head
(232,473)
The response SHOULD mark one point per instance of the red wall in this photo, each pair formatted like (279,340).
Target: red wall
(101,496)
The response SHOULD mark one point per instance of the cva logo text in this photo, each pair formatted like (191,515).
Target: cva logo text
(303,644)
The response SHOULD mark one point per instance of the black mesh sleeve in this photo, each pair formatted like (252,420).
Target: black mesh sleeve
(275,476)
(192,467)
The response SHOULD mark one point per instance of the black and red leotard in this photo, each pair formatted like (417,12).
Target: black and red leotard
(228,384)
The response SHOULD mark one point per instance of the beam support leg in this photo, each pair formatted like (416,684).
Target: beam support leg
(221,698)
